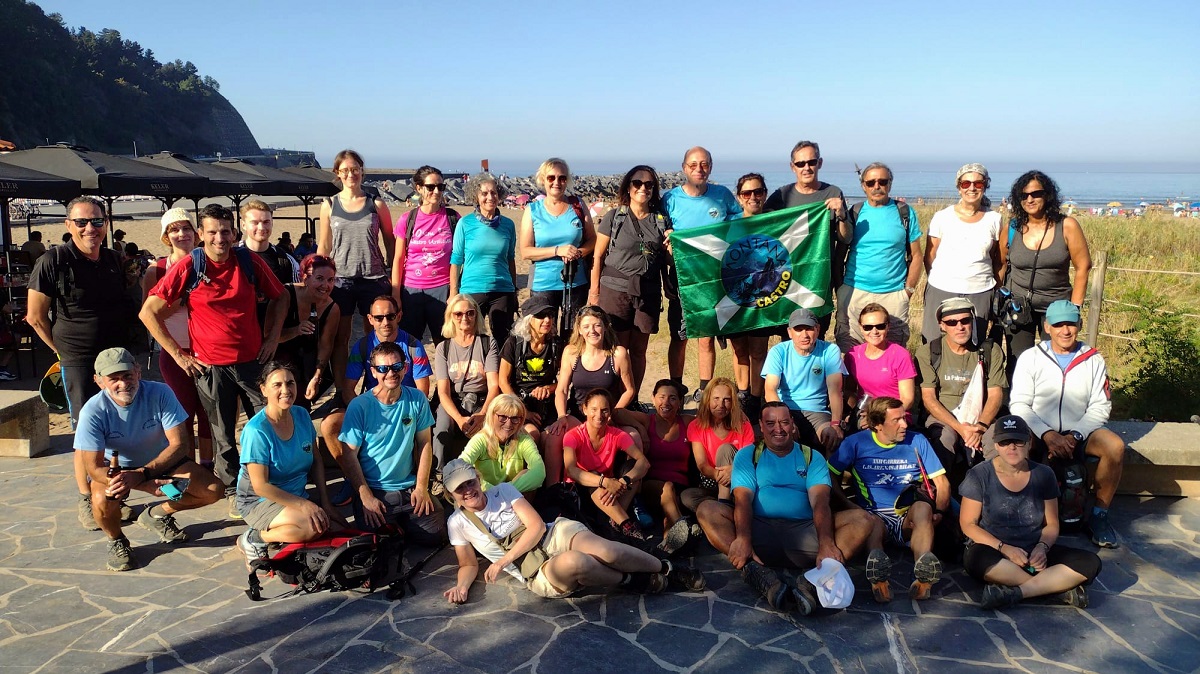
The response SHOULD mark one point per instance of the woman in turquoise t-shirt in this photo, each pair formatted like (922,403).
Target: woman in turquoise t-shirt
(483,263)
(278,450)
(552,235)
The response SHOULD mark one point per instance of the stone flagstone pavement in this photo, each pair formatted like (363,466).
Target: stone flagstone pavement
(184,609)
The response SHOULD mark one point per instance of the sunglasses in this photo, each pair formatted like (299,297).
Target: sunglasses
(955,322)
(554,179)
(384,369)
(1036,194)
(506,419)
(97,223)
(639,184)
(882,182)
(756,192)
(1008,443)
(435,187)
(546,314)
(977,184)
(469,313)
(702,165)
(867,327)
(380,318)
(810,163)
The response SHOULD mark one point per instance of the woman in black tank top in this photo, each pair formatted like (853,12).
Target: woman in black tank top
(310,327)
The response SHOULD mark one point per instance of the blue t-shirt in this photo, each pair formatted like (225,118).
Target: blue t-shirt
(802,384)
(484,253)
(717,204)
(780,484)
(137,432)
(882,471)
(877,260)
(414,355)
(550,231)
(384,436)
(287,461)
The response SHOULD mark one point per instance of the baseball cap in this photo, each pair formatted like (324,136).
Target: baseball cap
(803,317)
(536,305)
(457,472)
(114,360)
(1062,311)
(953,305)
(176,215)
(1011,427)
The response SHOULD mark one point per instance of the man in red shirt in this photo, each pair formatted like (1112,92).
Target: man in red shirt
(228,346)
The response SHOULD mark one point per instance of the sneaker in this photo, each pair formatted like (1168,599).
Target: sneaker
(1076,596)
(86,519)
(697,395)
(1000,596)
(5,375)
(252,546)
(630,529)
(804,596)
(684,578)
(234,513)
(879,574)
(766,582)
(676,537)
(639,513)
(1103,534)
(165,526)
(126,512)
(928,571)
(120,555)
(645,582)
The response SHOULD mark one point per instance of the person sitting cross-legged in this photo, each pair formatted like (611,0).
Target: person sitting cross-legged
(143,424)
(780,515)
(897,476)
(502,526)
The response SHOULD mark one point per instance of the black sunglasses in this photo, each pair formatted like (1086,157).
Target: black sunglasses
(882,182)
(1036,194)
(84,222)
(955,322)
(435,187)
(867,327)
(384,369)
(810,163)
(756,192)
(639,184)
(379,318)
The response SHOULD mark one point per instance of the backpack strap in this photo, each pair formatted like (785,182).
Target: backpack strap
(452,216)
(64,274)
(760,447)
(362,353)
(196,272)
(905,219)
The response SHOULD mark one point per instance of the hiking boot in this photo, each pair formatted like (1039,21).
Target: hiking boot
(630,529)
(252,546)
(684,578)
(928,571)
(1103,534)
(879,574)
(675,537)
(5,375)
(1000,596)
(645,582)
(165,526)
(804,596)
(1076,596)
(767,583)
(126,512)
(86,519)
(234,513)
(120,555)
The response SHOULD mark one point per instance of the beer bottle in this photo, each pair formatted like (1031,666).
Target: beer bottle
(114,469)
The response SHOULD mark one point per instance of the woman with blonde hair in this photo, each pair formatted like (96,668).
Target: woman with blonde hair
(502,451)
(529,364)
(555,236)
(719,431)
(467,369)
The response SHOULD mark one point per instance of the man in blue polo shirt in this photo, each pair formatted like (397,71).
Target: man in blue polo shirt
(806,373)
(387,452)
(142,423)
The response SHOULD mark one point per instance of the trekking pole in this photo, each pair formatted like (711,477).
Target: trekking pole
(567,310)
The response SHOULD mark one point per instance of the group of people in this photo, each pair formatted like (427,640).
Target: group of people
(535,434)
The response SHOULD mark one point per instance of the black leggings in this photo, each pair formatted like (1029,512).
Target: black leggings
(979,559)
(499,308)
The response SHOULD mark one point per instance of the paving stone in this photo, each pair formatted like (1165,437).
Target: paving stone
(591,648)
(1006,632)
(36,609)
(753,625)
(678,646)
(487,643)
(928,664)
(733,655)
(958,639)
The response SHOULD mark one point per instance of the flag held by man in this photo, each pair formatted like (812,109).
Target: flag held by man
(752,273)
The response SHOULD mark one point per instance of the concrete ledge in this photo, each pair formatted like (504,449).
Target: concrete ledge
(1161,458)
(24,424)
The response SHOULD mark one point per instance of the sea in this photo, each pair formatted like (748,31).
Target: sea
(1087,184)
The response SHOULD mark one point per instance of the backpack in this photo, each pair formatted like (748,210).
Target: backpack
(984,354)
(65,273)
(411,221)
(842,250)
(196,272)
(653,256)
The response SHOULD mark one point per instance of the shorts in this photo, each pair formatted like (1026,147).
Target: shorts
(675,325)
(785,543)
(558,541)
(809,425)
(261,514)
(893,524)
(359,293)
(631,312)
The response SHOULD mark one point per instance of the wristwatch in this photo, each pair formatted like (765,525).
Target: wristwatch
(146,474)
(628,482)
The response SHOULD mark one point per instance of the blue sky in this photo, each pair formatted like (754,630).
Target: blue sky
(406,83)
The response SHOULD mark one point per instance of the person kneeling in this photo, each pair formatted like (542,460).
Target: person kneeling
(141,425)
(552,560)
(893,467)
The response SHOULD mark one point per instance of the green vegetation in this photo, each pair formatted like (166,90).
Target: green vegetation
(100,90)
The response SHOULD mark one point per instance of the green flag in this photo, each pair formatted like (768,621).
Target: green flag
(753,273)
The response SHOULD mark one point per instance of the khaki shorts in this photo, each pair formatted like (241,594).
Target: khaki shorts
(558,542)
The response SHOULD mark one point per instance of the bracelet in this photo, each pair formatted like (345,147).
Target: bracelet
(1000,548)
(602,482)
(556,251)
(1044,544)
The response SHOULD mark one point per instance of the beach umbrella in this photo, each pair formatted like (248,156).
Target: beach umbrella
(1194,205)
(1143,204)
(1114,204)
(222,181)
(1178,205)
(522,199)
(18,182)
(1070,202)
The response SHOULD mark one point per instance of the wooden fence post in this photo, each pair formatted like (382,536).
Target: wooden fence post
(1091,333)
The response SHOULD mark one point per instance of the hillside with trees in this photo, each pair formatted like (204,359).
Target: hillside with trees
(102,91)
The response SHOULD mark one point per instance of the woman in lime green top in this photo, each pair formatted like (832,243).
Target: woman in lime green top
(502,451)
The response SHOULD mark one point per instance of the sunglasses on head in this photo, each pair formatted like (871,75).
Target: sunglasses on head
(867,327)
(756,192)
(1036,194)
(810,163)
(380,318)
(384,369)
(977,184)
(955,322)
(882,182)
(639,184)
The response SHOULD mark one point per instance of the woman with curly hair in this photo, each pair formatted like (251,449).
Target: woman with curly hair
(502,451)
(529,364)
(1036,255)
(719,431)
(483,263)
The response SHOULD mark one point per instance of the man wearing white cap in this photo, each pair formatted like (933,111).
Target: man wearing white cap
(141,425)
(1060,388)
